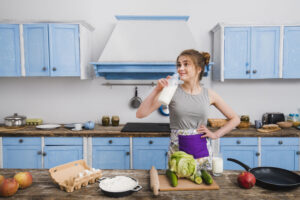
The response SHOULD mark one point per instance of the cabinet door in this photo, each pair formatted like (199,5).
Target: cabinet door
(291,52)
(36,49)
(145,157)
(245,154)
(10,64)
(283,157)
(265,52)
(111,157)
(237,53)
(58,155)
(64,50)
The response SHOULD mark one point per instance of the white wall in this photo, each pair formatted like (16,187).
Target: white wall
(64,100)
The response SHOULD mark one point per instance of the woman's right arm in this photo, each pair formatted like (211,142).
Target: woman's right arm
(151,102)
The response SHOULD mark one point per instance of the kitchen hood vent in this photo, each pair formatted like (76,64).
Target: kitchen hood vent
(144,47)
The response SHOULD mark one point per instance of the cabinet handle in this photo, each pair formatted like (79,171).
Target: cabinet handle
(254,71)
(127,153)
(166,153)
(150,142)
(39,153)
(257,154)
(44,153)
(298,152)
(54,69)
(44,68)
(248,72)
(238,141)
(20,140)
(110,141)
(280,142)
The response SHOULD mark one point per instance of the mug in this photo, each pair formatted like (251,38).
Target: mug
(258,124)
(77,127)
(89,125)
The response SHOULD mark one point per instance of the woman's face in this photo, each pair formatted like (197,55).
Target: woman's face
(187,70)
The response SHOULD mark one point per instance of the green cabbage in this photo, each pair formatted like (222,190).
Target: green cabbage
(183,164)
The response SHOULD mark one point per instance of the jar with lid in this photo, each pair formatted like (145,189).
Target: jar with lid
(290,117)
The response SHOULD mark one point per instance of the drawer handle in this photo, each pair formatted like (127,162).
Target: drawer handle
(254,71)
(127,153)
(54,69)
(110,141)
(44,68)
(280,142)
(166,153)
(39,153)
(150,142)
(21,140)
(257,154)
(238,141)
(298,153)
(248,71)
(44,153)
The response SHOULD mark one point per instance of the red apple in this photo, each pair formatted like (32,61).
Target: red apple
(24,179)
(9,187)
(246,180)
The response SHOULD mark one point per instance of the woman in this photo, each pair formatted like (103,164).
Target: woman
(189,107)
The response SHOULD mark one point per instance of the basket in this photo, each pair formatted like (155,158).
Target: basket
(72,176)
(217,123)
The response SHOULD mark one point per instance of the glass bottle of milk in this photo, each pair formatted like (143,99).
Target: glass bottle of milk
(168,92)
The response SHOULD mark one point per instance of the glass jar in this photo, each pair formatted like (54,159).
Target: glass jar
(105,121)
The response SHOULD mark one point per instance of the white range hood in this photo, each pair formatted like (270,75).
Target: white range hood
(144,47)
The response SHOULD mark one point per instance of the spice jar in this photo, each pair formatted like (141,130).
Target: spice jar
(115,120)
(245,118)
(105,121)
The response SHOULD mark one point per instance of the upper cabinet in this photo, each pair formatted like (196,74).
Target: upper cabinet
(291,52)
(10,63)
(246,52)
(40,49)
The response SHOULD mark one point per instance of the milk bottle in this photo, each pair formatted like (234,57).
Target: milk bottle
(168,92)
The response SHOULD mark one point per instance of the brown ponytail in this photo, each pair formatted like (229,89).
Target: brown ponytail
(199,59)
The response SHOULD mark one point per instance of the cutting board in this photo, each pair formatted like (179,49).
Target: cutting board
(184,184)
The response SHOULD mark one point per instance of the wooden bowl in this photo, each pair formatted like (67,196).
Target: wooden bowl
(285,124)
(296,123)
(244,125)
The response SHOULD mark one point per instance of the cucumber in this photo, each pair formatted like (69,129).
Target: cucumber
(172,177)
(206,177)
(197,179)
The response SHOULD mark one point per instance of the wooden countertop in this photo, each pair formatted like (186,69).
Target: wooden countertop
(44,188)
(115,131)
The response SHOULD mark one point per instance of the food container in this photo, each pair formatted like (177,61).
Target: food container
(15,121)
(245,118)
(117,191)
(115,120)
(105,121)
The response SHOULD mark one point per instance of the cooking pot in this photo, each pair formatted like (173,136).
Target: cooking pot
(15,121)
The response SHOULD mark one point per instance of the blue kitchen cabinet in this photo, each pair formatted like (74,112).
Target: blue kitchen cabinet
(243,149)
(111,153)
(280,152)
(150,151)
(291,52)
(61,150)
(22,152)
(51,49)
(10,64)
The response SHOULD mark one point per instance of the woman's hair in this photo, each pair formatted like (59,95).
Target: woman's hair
(199,59)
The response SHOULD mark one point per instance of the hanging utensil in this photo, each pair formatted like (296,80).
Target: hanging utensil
(136,101)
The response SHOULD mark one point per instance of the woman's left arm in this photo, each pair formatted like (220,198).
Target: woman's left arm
(233,118)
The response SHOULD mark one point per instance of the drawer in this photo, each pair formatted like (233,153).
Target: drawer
(110,141)
(151,141)
(280,141)
(239,141)
(24,141)
(63,141)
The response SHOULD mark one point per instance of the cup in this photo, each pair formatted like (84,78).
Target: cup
(89,125)
(78,127)
(217,164)
(258,124)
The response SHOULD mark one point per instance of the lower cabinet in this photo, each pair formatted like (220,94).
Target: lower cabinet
(150,151)
(22,152)
(280,152)
(243,149)
(61,150)
(111,153)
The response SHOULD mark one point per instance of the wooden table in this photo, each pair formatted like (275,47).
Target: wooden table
(44,188)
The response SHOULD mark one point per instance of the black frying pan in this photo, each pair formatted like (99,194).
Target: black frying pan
(271,177)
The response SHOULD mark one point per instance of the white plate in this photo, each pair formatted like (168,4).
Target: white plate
(48,126)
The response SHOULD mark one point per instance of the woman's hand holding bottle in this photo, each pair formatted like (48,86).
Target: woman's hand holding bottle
(161,83)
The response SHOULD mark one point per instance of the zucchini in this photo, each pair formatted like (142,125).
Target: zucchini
(206,177)
(172,177)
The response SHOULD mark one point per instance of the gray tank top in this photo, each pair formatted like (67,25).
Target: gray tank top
(188,111)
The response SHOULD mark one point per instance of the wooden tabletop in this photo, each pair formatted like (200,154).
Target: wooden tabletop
(44,188)
(115,131)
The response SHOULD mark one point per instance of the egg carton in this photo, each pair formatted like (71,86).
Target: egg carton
(73,175)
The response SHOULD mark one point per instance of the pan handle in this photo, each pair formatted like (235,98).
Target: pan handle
(240,163)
